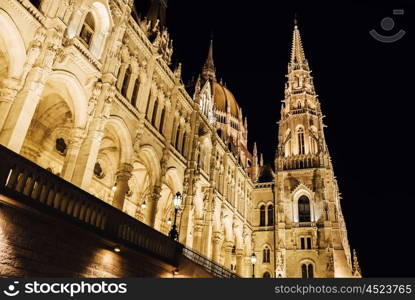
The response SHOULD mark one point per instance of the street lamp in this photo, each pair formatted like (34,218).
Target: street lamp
(253,261)
(177,202)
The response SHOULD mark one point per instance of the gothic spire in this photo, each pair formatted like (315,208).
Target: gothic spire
(297,51)
(157,11)
(356,268)
(209,70)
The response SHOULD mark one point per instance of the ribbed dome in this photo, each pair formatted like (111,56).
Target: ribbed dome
(224,99)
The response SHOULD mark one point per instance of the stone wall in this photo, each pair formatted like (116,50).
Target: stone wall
(34,244)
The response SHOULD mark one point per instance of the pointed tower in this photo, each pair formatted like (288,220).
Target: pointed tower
(255,164)
(311,233)
(356,268)
(157,11)
(209,70)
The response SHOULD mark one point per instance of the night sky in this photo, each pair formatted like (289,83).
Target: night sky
(366,89)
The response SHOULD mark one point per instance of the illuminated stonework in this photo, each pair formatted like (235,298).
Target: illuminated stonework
(87,92)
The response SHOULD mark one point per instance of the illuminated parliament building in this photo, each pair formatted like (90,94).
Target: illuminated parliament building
(104,149)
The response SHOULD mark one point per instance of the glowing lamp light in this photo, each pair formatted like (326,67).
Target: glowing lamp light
(114,188)
(253,258)
(169,221)
(143,205)
(117,249)
(177,200)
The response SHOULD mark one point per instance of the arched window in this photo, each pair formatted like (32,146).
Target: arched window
(270,215)
(266,255)
(262,215)
(184,144)
(154,116)
(266,275)
(148,108)
(162,116)
(126,81)
(313,141)
(176,142)
(88,29)
(301,146)
(304,271)
(287,143)
(310,271)
(307,271)
(304,209)
(135,92)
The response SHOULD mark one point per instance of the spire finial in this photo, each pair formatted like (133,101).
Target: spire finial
(297,52)
(209,70)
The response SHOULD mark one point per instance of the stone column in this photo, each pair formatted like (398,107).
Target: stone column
(197,235)
(121,75)
(74,23)
(207,235)
(10,86)
(152,206)
(74,146)
(216,240)
(21,112)
(228,254)
(185,221)
(122,177)
(88,153)
(240,262)
(17,123)
(8,92)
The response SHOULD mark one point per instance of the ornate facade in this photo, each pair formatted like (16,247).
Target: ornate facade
(87,92)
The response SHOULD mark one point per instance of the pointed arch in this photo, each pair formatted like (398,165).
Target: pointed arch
(78,100)
(148,155)
(11,39)
(119,127)
(165,209)
(303,190)
(307,268)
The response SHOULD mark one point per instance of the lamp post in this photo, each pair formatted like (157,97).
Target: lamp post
(253,261)
(177,202)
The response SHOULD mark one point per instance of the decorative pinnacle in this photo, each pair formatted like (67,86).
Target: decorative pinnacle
(209,71)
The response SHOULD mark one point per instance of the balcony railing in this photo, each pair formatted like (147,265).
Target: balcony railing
(26,182)
(211,267)
(305,224)
(300,162)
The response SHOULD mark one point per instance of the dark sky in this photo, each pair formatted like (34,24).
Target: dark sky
(366,89)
